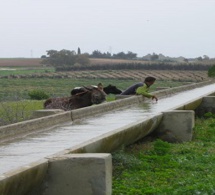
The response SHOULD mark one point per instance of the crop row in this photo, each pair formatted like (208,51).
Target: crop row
(194,76)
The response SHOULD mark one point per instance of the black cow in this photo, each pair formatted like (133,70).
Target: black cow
(86,98)
(112,89)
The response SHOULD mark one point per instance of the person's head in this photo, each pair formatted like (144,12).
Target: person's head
(149,80)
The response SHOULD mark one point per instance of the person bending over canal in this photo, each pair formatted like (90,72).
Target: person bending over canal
(141,88)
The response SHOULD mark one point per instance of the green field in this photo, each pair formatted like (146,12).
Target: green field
(160,168)
(12,89)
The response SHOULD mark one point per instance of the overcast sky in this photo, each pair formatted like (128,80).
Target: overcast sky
(28,28)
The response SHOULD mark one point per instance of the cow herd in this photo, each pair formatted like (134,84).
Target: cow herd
(82,97)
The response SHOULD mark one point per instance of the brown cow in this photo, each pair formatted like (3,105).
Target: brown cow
(91,96)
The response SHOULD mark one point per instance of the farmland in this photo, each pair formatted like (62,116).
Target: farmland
(192,76)
(36,62)
(19,76)
(20,62)
(32,68)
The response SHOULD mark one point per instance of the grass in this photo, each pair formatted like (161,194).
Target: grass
(159,167)
(12,88)
(16,111)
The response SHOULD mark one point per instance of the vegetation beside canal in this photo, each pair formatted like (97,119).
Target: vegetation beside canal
(156,167)
(18,96)
(13,89)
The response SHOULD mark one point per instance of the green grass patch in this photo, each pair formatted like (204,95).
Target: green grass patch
(17,111)
(162,168)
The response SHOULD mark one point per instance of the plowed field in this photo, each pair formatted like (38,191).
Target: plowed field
(191,76)
(175,75)
(139,74)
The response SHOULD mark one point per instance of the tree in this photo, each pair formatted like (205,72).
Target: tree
(206,57)
(83,59)
(154,56)
(63,57)
(131,55)
(120,55)
(43,56)
(96,54)
(199,58)
(79,51)
(186,60)
(108,55)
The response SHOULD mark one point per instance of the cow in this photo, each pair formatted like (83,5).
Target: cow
(91,95)
(110,89)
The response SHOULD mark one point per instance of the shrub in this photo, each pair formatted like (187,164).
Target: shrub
(38,94)
(211,71)
(209,115)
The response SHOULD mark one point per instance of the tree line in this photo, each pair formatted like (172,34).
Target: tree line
(67,57)
(65,60)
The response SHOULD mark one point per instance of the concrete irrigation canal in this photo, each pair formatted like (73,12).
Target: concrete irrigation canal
(29,149)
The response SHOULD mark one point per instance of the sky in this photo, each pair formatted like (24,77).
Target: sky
(28,28)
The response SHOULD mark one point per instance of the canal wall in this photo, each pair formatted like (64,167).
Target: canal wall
(42,176)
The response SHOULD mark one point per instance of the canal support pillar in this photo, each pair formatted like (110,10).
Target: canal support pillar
(207,105)
(89,173)
(176,126)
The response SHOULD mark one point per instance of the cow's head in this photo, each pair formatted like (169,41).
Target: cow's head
(112,89)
